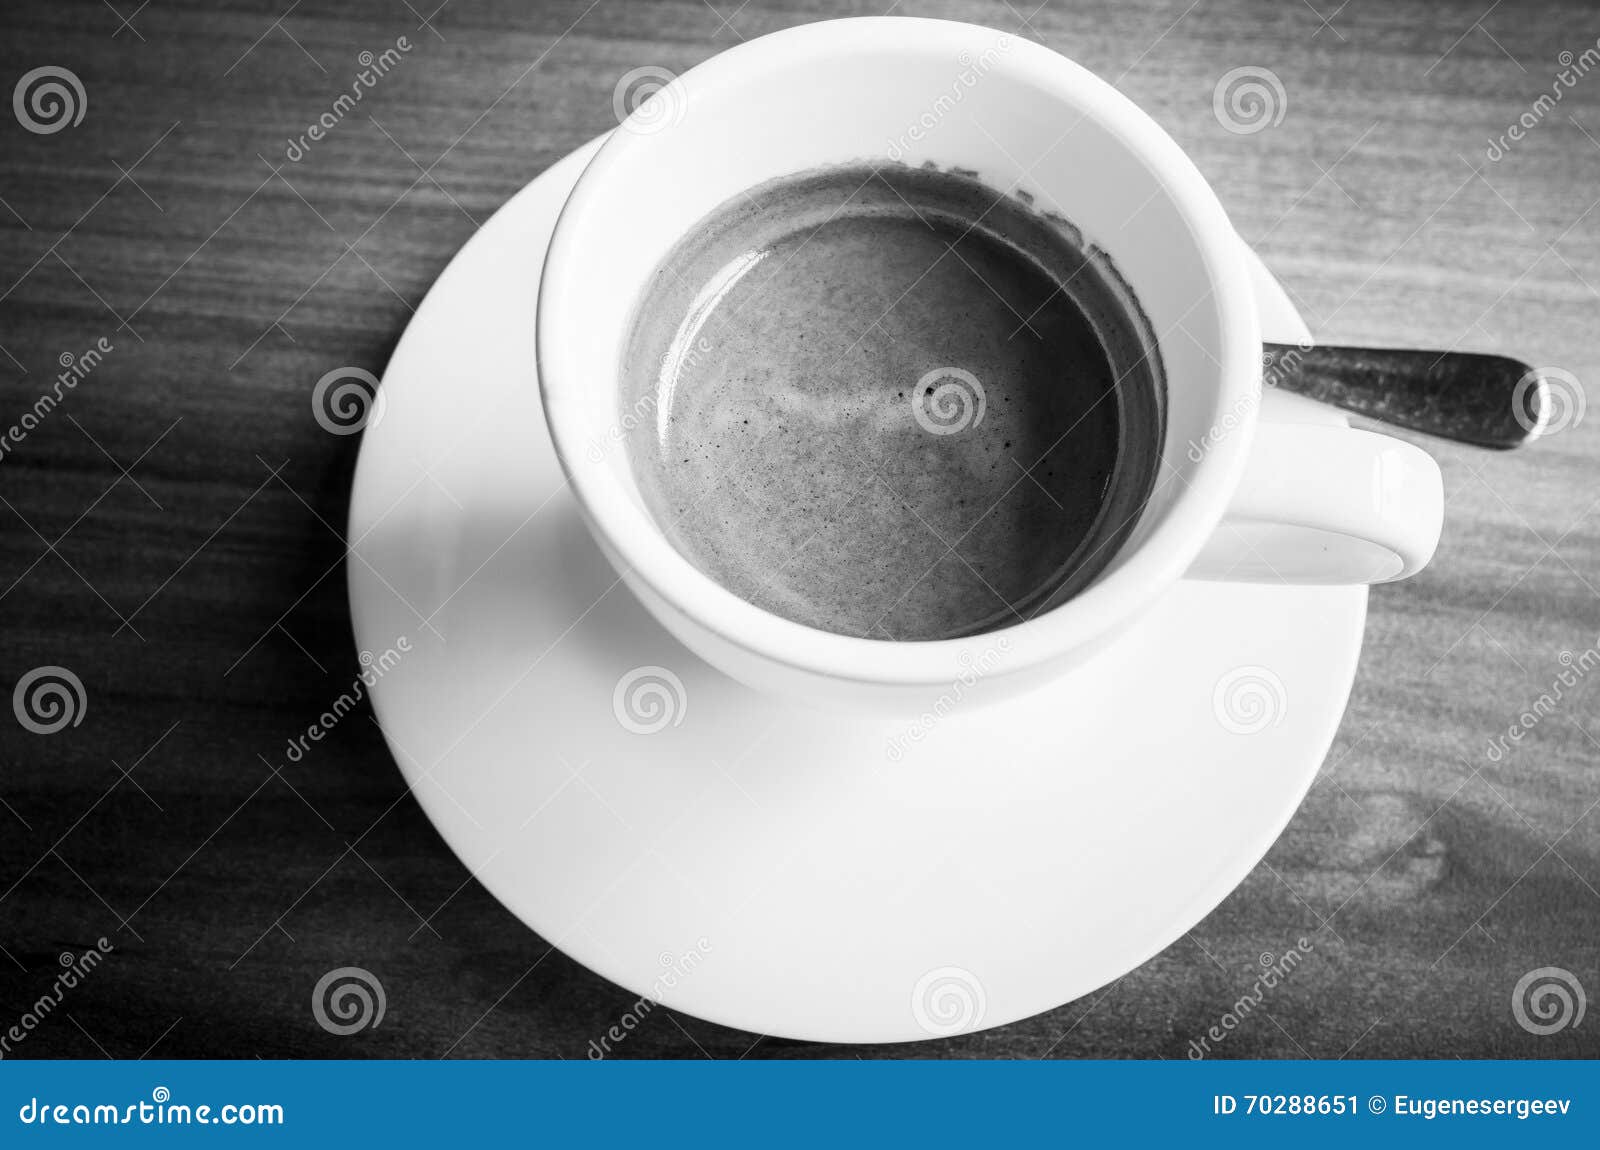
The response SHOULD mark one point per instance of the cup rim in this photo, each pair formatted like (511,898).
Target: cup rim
(644,553)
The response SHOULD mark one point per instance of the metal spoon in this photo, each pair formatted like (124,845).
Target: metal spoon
(1487,400)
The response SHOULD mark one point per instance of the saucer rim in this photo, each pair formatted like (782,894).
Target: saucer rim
(1232,868)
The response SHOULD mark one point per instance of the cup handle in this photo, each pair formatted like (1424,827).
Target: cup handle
(1327,505)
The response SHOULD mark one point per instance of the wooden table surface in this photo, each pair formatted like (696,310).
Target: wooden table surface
(170,529)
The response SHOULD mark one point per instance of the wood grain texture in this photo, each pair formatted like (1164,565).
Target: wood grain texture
(172,529)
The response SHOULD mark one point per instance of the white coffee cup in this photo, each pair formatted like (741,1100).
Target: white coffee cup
(1235,498)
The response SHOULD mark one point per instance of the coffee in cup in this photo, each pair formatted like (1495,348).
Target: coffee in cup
(892,402)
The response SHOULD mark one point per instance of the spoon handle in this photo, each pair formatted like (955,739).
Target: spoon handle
(1487,400)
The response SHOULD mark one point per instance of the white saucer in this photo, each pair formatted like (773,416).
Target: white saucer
(756,864)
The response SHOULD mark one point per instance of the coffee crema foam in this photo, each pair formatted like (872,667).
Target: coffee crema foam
(892,402)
